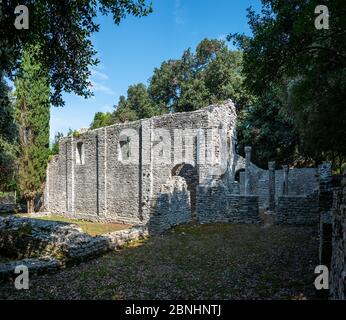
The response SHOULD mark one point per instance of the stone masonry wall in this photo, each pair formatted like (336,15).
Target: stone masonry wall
(172,206)
(117,173)
(45,246)
(338,258)
(298,210)
(215,204)
(92,179)
(301,181)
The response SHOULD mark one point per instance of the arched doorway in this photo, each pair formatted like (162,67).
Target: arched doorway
(190,174)
(237,175)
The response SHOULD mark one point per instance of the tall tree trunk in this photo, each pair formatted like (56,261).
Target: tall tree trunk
(30,205)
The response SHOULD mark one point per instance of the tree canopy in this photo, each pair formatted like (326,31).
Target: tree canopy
(64,29)
(307,68)
(32,113)
(209,75)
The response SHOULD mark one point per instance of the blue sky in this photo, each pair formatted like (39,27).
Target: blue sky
(129,53)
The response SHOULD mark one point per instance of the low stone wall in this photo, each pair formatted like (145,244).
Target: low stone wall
(338,258)
(216,205)
(35,266)
(48,244)
(8,202)
(328,187)
(117,239)
(298,210)
(30,238)
(171,207)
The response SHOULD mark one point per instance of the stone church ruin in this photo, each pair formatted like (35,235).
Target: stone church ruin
(173,169)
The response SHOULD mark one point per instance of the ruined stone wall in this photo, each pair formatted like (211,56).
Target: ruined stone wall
(301,181)
(101,187)
(332,231)
(215,204)
(338,257)
(56,182)
(91,179)
(45,246)
(116,173)
(181,145)
(172,206)
(298,210)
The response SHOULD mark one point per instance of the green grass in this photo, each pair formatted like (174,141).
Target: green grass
(92,228)
(5,214)
(193,262)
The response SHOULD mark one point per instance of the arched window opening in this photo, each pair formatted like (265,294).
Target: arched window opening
(80,153)
(190,174)
(237,175)
(125,150)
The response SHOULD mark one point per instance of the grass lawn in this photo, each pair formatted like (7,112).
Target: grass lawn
(92,228)
(192,262)
(5,214)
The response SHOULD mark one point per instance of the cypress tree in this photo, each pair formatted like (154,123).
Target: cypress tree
(32,113)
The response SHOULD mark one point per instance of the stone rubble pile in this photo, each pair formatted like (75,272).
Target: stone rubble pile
(47,245)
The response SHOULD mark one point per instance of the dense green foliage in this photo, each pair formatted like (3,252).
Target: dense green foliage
(270,133)
(307,68)
(137,105)
(55,145)
(8,136)
(209,75)
(64,29)
(32,113)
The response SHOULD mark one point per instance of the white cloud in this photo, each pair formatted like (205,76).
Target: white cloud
(98,80)
(99,87)
(98,75)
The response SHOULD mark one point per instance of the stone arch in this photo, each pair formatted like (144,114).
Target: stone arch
(237,174)
(190,174)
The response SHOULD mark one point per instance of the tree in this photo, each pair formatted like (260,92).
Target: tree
(101,120)
(309,64)
(32,109)
(137,105)
(194,95)
(64,28)
(55,145)
(164,84)
(8,138)
(270,132)
(138,100)
(224,80)
(212,74)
